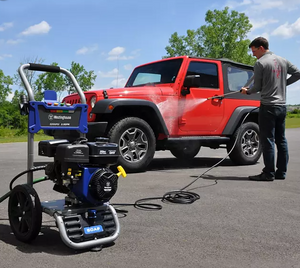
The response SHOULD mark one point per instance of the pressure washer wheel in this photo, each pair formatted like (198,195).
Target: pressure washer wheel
(25,213)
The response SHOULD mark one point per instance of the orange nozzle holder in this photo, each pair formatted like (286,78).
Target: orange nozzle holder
(121,172)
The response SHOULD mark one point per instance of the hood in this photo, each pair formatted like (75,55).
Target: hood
(130,91)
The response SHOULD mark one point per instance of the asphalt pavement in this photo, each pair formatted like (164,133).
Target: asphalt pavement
(235,223)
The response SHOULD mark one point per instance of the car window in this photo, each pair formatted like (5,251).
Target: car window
(237,78)
(162,72)
(208,73)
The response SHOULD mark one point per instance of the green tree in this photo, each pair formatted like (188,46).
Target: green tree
(84,78)
(30,75)
(223,36)
(49,81)
(5,83)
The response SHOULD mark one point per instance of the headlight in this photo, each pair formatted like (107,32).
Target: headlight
(93,101)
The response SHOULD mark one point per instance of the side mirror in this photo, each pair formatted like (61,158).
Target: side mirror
(190,81)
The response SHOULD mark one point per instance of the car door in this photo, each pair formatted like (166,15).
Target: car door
(198,115)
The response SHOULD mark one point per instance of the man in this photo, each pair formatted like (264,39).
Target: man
(270,79)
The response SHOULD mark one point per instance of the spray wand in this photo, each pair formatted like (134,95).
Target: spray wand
(221,97)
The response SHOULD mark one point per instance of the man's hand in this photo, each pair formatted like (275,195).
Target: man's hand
(244,90)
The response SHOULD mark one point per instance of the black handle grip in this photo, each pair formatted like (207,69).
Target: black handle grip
(246,92)
(44,68)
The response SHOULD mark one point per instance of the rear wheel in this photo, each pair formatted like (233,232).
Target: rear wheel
(136,142)
(247,149)
(186,150)
(25,213)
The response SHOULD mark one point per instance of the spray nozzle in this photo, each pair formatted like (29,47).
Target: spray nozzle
(221,97)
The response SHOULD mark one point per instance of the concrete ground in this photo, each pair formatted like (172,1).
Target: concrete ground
(236,222)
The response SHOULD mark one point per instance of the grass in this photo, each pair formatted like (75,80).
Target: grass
(23,138)
(9,136)
(292,122)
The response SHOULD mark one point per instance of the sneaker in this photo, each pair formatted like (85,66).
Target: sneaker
(261,177)
(279,175)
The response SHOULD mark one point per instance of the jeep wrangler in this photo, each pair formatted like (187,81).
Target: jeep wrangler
(168,105)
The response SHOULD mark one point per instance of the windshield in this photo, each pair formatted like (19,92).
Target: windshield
(163,72)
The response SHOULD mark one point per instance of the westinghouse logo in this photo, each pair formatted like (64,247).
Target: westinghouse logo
(59,117)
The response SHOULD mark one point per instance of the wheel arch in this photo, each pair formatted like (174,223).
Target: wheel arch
(122,108)
(238,116)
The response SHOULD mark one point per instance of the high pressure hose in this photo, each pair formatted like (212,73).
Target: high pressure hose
(19,175)
(181,196)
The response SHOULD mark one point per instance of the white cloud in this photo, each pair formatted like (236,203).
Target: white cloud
(41,28)
(256,24)
(115,54)
(118,82)
(287,30)
(113,73)
(3,56)
(5,26)
(128,67)
(14,42)
(267,4)
(235,4)
(116,51)
(87,50)
(257,6)
(10,96)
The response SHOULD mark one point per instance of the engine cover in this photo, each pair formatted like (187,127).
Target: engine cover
(97,185)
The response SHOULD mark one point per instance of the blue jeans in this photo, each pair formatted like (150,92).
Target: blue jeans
(272,131)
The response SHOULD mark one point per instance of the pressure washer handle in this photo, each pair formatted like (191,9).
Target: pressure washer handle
(44,68)
(51,69)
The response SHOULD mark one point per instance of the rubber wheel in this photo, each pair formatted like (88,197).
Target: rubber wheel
(248,149)
(136,142)
(186,150)
(25,213)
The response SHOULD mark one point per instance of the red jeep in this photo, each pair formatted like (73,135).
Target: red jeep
(167,105)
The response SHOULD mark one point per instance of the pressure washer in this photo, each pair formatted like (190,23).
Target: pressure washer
(80,170)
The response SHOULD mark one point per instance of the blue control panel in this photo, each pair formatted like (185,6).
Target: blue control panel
(55,115)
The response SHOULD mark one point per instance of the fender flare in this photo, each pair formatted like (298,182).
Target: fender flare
(101,107)
(236,118)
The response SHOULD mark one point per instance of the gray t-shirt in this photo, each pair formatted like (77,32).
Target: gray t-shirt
(270,78)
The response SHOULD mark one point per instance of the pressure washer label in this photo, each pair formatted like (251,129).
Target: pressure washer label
(58,118)
(93,229)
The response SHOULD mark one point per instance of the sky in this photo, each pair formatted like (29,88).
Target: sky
(112,37)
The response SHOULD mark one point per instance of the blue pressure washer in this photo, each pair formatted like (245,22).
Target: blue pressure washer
(80,170)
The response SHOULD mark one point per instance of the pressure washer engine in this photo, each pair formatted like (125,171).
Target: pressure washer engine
(80,169)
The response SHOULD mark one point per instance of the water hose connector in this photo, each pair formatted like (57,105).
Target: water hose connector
(121,172)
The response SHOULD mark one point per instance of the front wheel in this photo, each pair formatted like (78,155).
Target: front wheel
(247,149)
(136,142)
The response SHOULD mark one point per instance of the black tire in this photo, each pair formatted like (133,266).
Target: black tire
(25,213)
(186,150)
(136,142)
(247,150)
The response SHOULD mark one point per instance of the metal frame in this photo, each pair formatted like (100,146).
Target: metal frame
(43,68)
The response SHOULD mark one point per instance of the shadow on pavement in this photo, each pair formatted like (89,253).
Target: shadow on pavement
(48,241)
(174,163)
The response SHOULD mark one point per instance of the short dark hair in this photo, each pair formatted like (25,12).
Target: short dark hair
(260,41)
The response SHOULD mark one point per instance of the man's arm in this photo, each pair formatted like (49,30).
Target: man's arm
(294,72)
(258,73)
